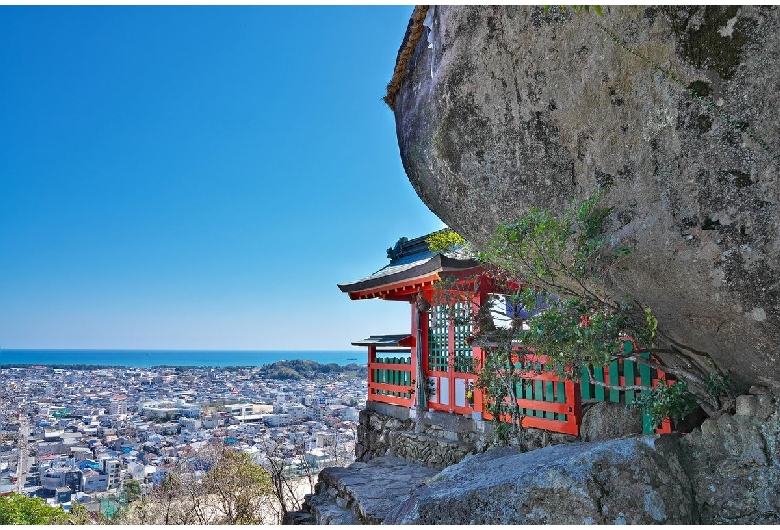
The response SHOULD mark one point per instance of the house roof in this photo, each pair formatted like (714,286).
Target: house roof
(389,342)
(412,265)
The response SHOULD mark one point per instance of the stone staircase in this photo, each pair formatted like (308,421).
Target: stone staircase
(363,492)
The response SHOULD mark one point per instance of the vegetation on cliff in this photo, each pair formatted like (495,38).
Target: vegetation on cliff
(303,369)
(554,263)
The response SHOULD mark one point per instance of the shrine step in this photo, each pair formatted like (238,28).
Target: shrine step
(363,493)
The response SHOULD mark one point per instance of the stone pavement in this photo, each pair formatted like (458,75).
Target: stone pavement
(363,493)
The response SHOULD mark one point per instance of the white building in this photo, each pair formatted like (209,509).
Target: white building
(248,412)
(113,469)
(93,481)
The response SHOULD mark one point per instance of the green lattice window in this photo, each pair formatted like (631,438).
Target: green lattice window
(462,330)
(438,329)
(440,319)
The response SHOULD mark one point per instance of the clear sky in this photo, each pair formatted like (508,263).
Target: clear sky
(198,177)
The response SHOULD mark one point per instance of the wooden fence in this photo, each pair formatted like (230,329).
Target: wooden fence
(624,372)
(546,400)
(390,380)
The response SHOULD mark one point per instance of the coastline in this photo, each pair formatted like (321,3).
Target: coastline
(171,358)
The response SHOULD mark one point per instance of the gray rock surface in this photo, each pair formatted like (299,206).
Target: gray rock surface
(631,481)
(503,108)
(726,472)
(363,493)
(734,466)
(606,421)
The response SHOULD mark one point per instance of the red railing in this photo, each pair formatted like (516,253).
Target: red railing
(390,379)
(546,400)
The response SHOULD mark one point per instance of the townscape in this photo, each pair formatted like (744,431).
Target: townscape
(81,435)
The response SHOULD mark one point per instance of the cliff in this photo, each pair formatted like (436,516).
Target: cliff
(673,109)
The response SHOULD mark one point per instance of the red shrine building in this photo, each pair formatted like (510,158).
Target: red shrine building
(437,352)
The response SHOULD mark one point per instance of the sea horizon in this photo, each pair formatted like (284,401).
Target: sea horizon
(133,358)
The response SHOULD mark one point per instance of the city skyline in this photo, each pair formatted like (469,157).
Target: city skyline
(198,178)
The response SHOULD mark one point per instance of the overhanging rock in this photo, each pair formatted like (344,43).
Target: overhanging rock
(674,109)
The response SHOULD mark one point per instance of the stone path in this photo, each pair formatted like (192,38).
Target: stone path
(363,493)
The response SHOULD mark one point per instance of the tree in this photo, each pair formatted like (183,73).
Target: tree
(79,514)
(215,485)
(286,481)
(20,509)
(240,488)
(132,489)
(556,265)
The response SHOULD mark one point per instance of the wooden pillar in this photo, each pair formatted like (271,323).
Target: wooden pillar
(481,297)
(414,364)
(371,361)
(421,309)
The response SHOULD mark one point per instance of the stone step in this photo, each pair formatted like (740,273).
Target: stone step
(363,493)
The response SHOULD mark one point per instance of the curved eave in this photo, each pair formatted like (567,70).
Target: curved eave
(404,284)
(402,290)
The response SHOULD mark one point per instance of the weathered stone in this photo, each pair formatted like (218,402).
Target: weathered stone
(729,488)
(606,421)
(746,405)
(635,481)
(729,433)
(705,482)
(764,406)
(365,492)
(673,108)
(753,446)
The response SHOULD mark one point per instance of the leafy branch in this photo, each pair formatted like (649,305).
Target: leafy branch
(555,263)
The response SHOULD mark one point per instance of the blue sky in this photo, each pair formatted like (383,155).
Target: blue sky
(198,177)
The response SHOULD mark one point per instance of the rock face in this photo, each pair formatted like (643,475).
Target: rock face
(734,464)
(605,421)
(728,471)
(673,109)
(632,481)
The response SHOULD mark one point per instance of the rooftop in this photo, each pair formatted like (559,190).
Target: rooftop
(412,265)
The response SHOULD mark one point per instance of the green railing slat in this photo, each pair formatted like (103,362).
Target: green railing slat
(560,397)
(585,383)
(629,373)
(646,379)
(549,389)
(644,376)
(539,396)
(614,380)
(598,375)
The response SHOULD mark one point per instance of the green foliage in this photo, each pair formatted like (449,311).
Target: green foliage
(556,251)
(133,489)
(576,326)
(234,490)
(666,401)
(238,484)
(718,384)
(302,369)
(444,240)
(20,509)
(79,514)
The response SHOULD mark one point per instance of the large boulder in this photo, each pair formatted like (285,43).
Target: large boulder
(630,481)
(674,109)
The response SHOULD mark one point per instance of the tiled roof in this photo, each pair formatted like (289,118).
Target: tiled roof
(383,340)
(410,259)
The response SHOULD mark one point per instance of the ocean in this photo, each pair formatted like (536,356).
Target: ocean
(148,358)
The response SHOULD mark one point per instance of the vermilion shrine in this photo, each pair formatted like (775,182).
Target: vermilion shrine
(438,353)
